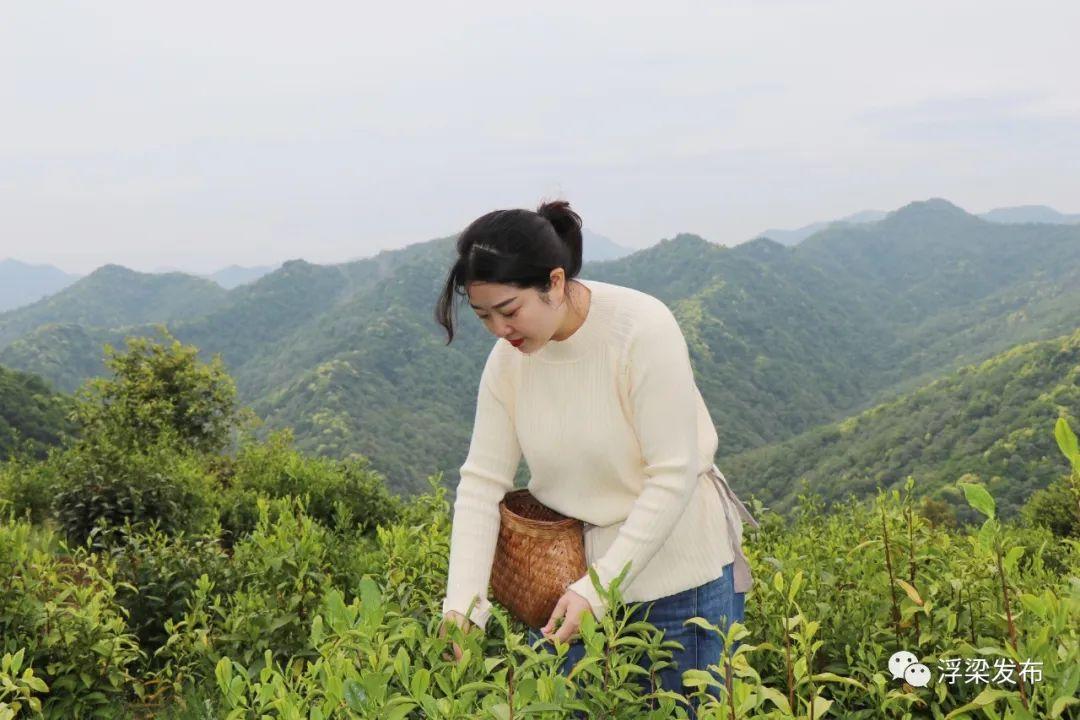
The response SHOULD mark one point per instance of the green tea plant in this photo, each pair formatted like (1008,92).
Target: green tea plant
(315,611)
(19,691)
(274,469)
(61,613)
(105,485)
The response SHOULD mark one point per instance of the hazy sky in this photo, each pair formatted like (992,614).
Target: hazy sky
(198,134)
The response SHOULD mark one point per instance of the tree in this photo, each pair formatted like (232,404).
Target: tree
(159,389)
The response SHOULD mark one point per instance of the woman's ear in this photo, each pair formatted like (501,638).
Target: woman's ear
(558,280)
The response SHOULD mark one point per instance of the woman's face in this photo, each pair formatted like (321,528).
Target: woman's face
(514,314)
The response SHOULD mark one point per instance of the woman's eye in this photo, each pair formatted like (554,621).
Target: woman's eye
(485,317)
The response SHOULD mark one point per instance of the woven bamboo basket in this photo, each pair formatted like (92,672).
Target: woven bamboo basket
(539,553)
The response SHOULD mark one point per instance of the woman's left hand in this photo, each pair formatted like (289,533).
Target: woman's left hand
(570,607)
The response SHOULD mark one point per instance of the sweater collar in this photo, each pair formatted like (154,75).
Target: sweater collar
(586,337)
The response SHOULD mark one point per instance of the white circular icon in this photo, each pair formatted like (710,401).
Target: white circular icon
(899,662)
(917,675)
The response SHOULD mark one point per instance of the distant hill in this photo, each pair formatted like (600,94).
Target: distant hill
(954,288)
(32,417)
(234,275)
(783,339)
(113,296)
(794,237)
(22,283)
(994,419)
(1010,215)
(66,354)
(227,277)
(1030,214)
(597,248)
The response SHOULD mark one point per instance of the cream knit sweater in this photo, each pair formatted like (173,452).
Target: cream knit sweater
(615,432)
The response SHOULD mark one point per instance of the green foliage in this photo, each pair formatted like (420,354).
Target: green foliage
(1055,507)
(104,486)
(32,417)
(27,488)
(337,492)
(1058,506)
(782,340)
(987,420)
(18,690)
(288,626)
(60,611)
(156,575)
(159,391)
(144,436)
(278,574)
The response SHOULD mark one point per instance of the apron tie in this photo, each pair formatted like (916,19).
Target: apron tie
(735,520)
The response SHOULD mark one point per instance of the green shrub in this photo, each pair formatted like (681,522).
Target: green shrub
(18,686)
(156,577)
(281,571)
(104,486)
(1055,507)
(274,469)
(62,612)
(27,489)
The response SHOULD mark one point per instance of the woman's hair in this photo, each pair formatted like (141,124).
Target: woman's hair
(513,247)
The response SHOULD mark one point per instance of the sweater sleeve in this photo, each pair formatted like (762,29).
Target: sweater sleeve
(486,476)
(661,393)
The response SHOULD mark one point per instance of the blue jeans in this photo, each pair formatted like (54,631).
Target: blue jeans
(716,601)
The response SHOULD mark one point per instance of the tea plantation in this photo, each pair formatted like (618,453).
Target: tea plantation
(166,563)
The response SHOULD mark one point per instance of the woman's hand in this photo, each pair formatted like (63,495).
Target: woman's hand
(570,609)
(462,622)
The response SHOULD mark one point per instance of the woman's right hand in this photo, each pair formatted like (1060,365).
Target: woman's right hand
(462,622)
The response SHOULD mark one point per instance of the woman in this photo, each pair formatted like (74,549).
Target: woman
(592,383)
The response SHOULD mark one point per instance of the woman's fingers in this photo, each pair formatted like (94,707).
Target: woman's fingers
(558,612)
(571,607)
(459,620)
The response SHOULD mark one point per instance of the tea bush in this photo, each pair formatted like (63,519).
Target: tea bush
(156,576)
(27,489)
(327,605)
(104,485)
(17,691)
(60,612)
(274,469)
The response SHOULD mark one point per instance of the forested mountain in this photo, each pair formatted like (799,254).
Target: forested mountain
(782,339)
(22,283)
(992,419)
(1010,215)
(32,417)
(796,236)
(113,296)
(952,288)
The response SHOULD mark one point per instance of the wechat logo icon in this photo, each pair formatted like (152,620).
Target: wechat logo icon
(905,666)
